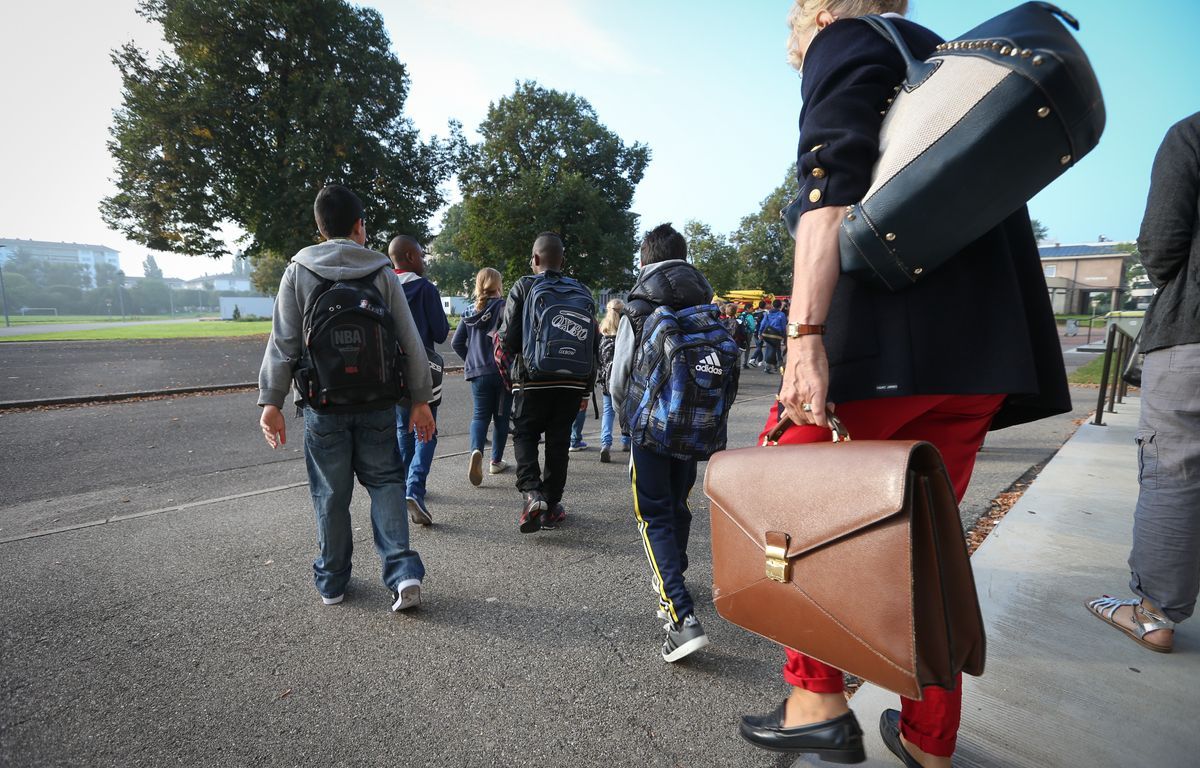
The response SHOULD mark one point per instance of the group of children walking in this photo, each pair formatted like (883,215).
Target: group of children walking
(355,334)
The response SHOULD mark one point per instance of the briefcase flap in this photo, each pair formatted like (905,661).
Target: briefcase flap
(815,493)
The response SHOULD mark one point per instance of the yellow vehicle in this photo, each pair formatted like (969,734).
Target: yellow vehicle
(748,297)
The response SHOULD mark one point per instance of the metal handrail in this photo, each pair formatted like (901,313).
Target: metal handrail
(1118,348)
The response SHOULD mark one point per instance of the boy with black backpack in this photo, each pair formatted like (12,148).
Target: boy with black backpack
(341,331)
(549,335)
(674,378)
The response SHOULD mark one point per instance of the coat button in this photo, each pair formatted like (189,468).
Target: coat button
(814,196)
(818,173)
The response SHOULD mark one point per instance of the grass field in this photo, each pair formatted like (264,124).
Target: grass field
(215,328)
(53,319)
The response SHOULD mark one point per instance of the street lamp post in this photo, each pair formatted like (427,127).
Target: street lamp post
(121,292)
(3,292)
(4,296)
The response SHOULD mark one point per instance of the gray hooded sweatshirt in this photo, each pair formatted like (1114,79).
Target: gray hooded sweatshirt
(335,260)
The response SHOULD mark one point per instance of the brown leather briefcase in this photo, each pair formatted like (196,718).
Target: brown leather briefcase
(850,552)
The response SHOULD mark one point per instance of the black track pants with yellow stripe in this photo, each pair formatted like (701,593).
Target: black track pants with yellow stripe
(661,485)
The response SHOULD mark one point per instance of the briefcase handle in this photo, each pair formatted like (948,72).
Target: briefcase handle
(840,433)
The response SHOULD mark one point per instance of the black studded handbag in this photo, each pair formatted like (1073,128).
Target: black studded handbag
(973,133)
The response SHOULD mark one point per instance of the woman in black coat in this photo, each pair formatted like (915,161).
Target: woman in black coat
(971,347)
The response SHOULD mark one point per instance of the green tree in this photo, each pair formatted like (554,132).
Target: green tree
(765,247)
(1040,230)
(105,274)
(714,256)
(150,267)
(547,163)
(253,108)
(453,274)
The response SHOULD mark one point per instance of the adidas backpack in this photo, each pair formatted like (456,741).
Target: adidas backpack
(683,382)
(559,330)
(351,358)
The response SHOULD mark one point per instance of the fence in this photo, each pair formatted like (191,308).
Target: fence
(1119,347)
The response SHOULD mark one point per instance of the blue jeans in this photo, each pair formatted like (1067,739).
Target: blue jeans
(492,406)
(607,416)
(577,428)
(415,457)
(336,448)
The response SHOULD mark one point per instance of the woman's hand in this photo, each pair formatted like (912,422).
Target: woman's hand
(806,382)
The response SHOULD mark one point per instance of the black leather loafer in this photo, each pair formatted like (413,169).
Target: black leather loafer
(889,729)
(836,741)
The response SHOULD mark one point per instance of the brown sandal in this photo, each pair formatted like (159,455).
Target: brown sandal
(1105,609)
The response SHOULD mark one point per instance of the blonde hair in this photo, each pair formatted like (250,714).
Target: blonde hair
(802,19)
(612,318)
(487,285)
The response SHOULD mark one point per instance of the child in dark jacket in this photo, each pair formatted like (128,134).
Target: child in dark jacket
(661,483)
(474,341)
(425,305)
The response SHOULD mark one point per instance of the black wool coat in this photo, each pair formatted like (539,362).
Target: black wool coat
(981,323)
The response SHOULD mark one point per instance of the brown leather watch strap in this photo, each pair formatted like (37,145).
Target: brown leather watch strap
(796,330)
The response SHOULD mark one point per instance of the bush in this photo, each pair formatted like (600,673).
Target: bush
(237,313)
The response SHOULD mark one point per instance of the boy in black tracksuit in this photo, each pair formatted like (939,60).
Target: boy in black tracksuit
(544,407)
(661,483)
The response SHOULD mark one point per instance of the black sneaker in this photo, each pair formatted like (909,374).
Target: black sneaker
(605,455)
(683,639)
(554,517)
(535,505)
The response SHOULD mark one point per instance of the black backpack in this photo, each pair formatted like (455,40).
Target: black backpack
(352,359)
(558,333)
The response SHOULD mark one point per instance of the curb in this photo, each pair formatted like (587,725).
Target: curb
(116,397)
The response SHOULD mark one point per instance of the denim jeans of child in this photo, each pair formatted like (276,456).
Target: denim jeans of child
(337,447)
(577,428)
(492,405)
(607,416)
(416,457)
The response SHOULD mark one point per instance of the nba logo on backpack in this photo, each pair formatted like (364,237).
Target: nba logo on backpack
(684,379)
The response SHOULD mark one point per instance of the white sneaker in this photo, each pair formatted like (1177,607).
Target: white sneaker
(475,468)
(497,467)
(408,595)
(332,600)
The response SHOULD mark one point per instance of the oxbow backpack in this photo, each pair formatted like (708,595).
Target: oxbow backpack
(683,382)
(351,358)
(558,334)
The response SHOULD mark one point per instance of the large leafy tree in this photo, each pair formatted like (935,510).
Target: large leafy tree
(255,105)
(547,163)
(714,256)
(765,248)
(454,275)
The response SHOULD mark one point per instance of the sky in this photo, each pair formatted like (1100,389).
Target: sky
(704,83)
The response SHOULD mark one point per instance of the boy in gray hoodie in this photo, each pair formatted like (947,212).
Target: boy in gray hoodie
(338,446)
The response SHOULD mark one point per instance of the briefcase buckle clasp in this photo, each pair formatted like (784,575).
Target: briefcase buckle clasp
(778,567)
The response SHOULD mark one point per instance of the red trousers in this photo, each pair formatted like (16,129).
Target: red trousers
(956,425)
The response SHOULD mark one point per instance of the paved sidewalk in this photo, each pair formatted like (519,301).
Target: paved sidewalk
(1061,689)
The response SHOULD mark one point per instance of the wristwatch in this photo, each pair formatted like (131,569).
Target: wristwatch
(796,330)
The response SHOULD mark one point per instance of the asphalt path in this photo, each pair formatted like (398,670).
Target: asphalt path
(171,619)
(38,370)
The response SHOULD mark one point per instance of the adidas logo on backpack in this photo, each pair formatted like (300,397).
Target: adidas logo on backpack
(683,381)
(710,364)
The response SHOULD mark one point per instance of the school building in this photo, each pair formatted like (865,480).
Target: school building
(1077,273)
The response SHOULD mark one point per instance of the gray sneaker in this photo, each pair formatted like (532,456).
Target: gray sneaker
(683,639)
(475,468)
(418,512)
